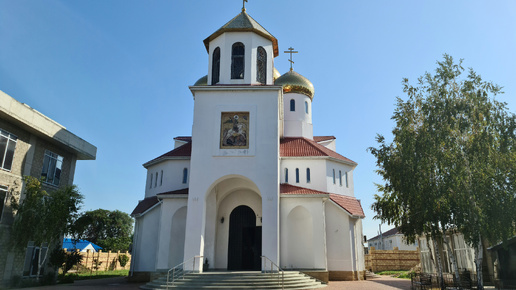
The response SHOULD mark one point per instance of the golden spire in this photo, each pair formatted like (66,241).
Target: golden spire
(243,5)
(291,51)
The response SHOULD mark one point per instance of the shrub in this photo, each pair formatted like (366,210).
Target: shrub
(123,259)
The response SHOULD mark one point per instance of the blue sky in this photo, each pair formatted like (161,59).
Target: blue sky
(116,73)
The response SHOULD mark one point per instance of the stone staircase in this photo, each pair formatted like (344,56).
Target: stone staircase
(237,280)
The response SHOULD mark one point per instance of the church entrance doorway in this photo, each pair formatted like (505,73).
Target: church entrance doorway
(245,240)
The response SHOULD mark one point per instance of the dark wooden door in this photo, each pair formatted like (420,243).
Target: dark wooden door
(245,240)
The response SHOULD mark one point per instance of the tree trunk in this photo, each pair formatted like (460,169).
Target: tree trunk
(479,253)
(41,262)
(439,264)
(453,260)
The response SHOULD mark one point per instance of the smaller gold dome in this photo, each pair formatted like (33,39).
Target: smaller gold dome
(202,81)
(293,82)
(275,74)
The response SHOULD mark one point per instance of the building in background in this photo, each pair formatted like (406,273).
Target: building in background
(252,180)
(31,144)
(391,239)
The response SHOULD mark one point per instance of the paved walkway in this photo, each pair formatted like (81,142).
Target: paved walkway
(118,283)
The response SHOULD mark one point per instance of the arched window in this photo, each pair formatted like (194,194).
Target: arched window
(215,67)
(333,176)
(308,175)
(340,177)
(347,185)
(161,180)
(185,175)
(261,65)
(156,180)
(292,105)
(297,175)
(286,175)
(151,175)
(237,61)
(306,107)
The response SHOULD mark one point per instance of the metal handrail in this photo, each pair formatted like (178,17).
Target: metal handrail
(178,271)
(281,278)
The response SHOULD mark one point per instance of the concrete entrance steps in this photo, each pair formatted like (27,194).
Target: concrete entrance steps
(238,280)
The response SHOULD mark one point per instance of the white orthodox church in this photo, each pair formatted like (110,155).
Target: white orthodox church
(252,180)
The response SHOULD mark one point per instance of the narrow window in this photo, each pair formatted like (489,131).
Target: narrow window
(161,180)
(185,175)
(151,175)
(347,179)
(215,66)
(7,146)
(156,181)
(292,105)
(333,176)
(308,175)
(306,107)
(340,177)
(237,61)
(261,65)
(297,175)
(3,194)
(52,165)
(286,175)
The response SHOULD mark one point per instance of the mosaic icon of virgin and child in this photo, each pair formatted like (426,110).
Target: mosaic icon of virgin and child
(234,130)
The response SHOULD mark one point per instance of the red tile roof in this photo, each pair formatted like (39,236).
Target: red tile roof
(348,203)
(184,150)
(184,138)
(303,147)
(179,191)
(323,138)
(145,204)
(286,188)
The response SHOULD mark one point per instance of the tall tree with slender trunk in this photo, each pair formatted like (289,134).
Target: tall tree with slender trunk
(451,164)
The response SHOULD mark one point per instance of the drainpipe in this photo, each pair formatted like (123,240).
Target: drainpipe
(324,236)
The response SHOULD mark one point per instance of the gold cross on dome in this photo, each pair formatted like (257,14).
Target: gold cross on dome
(291,51)
(243,5)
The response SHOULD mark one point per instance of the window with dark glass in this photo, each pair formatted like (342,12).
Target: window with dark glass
(308,175)
(333,176)
(161,180)
(52,165)
(7,147)
(215,67)
(340,177)
(347,185)
(3,194)
(292,105)
(306,107)
(156,180)
(286,175)
(151,175)
(261,65)
(297,175)
(237,61)
(185,175)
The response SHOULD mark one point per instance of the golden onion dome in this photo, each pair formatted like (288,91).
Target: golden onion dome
(293,82)
(202,81)
(275,74)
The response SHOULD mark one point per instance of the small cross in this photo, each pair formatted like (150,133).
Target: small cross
(291,51)
(243,5)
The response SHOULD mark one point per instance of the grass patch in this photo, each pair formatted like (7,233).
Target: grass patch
(101,274)
(396,274)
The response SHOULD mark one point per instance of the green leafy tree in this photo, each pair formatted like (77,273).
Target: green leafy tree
(451,164)
(43,217)
(109,229)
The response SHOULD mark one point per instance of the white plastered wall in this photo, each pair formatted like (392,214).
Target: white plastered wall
(303,244)
(170,239)
(337,187)
(339,238)
(317,172)
(172,176)
(210,164)
(297,123)
(147,241)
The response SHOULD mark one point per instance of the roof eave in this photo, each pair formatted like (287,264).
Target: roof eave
(165,158)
